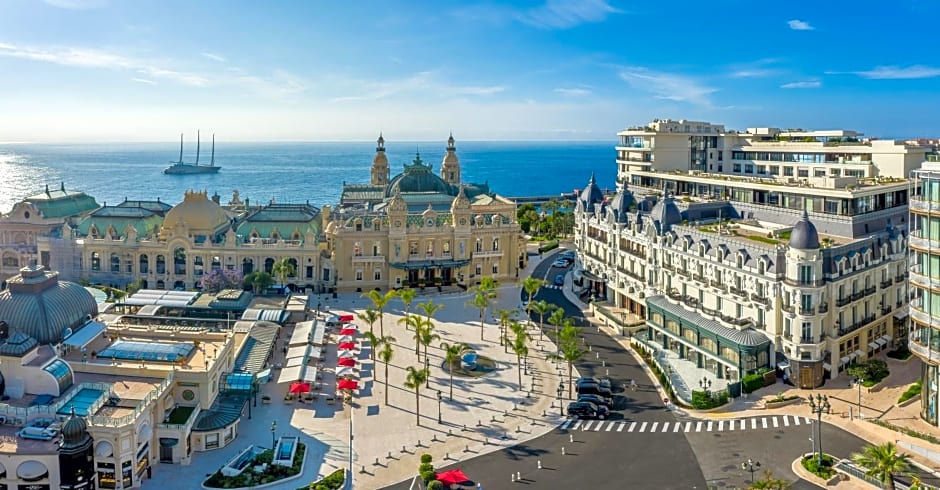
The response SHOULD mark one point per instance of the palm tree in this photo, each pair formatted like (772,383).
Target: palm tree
(540,308)
(373,341)
(430,308)
(386,356)
(259,281)
(768,482)
(369,316)
(531,285)
(569,350)
(557,318)
(427,336)
(504,316)
(452,355)
(413,381)
(407,295)
(282,269)
(883,462)
(483,295)
(379,301)
(414,323)
(518,346)
(566,204)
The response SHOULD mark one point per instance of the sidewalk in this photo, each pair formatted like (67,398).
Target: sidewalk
(843,397)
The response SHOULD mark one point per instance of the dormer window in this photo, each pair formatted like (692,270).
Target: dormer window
(295,236)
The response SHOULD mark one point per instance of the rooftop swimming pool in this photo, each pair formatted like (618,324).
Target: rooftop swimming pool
(129,350)
(284,451)
(81,401)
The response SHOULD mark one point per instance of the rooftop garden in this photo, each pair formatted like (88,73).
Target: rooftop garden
(179,415)
(259,472)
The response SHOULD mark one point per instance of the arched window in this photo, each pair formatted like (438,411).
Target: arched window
(248,266)
(479,245)
(10,261)
(161,284)
(161,265)
(216,262)
(93,231)
(295,236)
(293,263)
(143,264)
(429,249)
(496,244)
(95,261)
(179,261)
(268,265)
(445,248)
(198,266)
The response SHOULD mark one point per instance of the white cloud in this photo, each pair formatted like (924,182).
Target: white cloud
(143,80)
(573,92)
(77,4)
(553,14)
(565,14)
(895,72)
(280,82)
(214,57)
(425,83)
(803,84)
(471,90)
(799,25)
(669,86)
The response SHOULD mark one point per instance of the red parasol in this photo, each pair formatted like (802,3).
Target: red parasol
(347,346)
(347,384)
(347,362)
(452,477)
(348,331)
(346,318)
(300,388)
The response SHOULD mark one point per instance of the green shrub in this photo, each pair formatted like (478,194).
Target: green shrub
(706,400)
(426,458)
(425,467)
(428,476)
(824,471)
(545,247)
(435,485)
(904,430)
(902,353)
(911,392)
(752,382)
(333,481)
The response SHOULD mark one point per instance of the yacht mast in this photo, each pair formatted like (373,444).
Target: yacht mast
(197,147)
(212,161)
(181,149)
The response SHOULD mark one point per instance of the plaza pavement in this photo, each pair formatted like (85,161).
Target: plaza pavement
(486,414)
(880,402)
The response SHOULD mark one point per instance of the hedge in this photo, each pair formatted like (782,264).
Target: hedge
(545,247)
(911,392)
(752,382)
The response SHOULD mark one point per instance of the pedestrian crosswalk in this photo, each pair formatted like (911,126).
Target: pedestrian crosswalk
(722,425)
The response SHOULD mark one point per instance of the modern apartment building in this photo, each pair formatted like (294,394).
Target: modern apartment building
(925,282)
(738,271)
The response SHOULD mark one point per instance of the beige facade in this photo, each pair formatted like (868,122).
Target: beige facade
(419,229)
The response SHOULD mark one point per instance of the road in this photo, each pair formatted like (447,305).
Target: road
(644,444)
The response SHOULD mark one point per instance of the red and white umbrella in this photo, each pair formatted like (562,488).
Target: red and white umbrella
(345,372)
(347,354)
(347,345)
(346,361)
(347,384)
(346,338)
(348,331)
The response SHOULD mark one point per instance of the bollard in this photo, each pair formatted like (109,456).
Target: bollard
(446,456)
(540,464)
(563,450)
(603,363)
(363,470)
(607,372)
(543,411)
(570,437)
(518,476)
(514,407)
(449,433)
(513,476)
(433,437)
(466,449)
(505,413)
(419,443)
(493,419)
(465,427)
(389,455)
(403,449)
(597,355)
(486,441)
(376,461)
(518,429)
(479,423)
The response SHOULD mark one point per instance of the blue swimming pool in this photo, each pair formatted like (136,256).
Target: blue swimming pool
(129,350)
(286,449)
(81,400)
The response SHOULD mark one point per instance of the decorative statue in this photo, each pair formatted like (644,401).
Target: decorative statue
(397,250)
(461,249)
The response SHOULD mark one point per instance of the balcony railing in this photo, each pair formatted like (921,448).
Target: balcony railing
(886,283)
(922,350)
(823,308)
(760,299)
(358,259)
(738,292)
(807,311)
(857,325)
(885,311)
(870,291)
(700,278)
(840,302)
(808,340)
(789,308)
(900,277)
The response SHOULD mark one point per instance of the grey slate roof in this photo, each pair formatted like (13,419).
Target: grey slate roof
(747,337)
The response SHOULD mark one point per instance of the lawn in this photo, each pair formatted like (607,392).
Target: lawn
(180,415)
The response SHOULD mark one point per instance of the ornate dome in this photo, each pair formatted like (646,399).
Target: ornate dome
(591,195)
(451,155)
(666,212)
(197,212)
(461,201)
(417,177)
(621,205)
(804,235)
(37,304)
(74,430)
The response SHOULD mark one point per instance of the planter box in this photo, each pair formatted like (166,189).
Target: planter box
(777,404)
(909,400)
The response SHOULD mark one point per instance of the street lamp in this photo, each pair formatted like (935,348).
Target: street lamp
(751,466)
(439,420)
(859,382)
(273,431)
(705,383)
(560,391)
(819,406)
(623,321)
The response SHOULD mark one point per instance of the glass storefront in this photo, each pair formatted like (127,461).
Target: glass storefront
(929,392)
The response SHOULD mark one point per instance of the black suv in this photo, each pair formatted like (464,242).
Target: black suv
(587,410)
(603,382)
(601,401)
(593,389)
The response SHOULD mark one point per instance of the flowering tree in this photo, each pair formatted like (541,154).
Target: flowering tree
(219,279)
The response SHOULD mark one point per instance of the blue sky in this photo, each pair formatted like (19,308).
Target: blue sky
(109,70)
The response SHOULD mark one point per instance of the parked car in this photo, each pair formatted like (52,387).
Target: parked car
(587,410)
(560,263)
(559,280)
(603,382)
(593,389)
(601,401)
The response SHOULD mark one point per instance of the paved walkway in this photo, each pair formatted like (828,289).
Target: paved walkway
(880,403)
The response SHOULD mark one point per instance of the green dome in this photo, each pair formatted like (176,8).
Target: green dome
(418,177)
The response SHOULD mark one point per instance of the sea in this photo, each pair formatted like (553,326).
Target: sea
(291,172)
